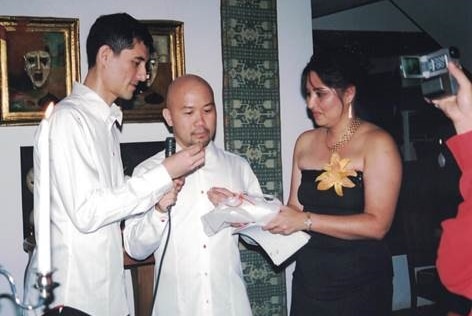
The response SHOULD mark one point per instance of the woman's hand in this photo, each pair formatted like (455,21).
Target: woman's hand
(288,221)
(458,107)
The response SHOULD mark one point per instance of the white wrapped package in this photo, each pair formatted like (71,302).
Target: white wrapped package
(241,209)
(252,213)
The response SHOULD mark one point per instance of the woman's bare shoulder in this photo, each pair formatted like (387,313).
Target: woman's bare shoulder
(374,134)
(310,135)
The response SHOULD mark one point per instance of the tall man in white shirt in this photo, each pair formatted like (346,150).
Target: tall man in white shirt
(89,194)
(201,275)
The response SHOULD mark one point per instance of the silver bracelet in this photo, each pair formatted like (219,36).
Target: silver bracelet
(308,221)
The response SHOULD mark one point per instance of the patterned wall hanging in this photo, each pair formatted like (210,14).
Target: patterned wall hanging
(252,124)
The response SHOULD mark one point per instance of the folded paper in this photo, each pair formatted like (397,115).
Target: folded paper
(253,212)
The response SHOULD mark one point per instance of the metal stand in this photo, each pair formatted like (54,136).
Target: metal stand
(44,284)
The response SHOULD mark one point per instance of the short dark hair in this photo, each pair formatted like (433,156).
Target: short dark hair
(119,31)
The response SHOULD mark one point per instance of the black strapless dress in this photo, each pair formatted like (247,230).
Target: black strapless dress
(336,276)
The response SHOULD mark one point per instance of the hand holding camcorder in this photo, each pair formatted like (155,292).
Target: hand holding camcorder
(431,72)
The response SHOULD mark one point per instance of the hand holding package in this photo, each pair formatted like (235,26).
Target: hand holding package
(241,209)
(254,212)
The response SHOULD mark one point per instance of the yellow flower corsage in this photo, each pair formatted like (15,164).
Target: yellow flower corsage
(336,175)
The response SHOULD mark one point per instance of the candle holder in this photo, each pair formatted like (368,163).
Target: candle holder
(44,284)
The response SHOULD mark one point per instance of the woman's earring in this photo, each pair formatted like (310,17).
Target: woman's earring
(349,114)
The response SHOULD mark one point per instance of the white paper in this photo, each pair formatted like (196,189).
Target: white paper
(278,247)
(255,212)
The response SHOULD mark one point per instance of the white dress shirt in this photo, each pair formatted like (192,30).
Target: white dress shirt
(201,275)
(89,198)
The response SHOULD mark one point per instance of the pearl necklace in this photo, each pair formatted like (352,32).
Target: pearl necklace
(346,136)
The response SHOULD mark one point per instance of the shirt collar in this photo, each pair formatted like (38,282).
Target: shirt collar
(108,113)
(116,114)
(209,149)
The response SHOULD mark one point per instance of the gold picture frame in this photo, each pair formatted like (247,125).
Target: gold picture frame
(167,63)
(39,61)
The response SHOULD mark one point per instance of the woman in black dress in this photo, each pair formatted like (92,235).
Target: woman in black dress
(345,183)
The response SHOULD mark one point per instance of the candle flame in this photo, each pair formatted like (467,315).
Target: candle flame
(49,109)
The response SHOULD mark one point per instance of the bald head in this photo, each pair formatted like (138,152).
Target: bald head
(184,83)
(190,110)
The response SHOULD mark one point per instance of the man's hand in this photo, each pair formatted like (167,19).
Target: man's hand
(217,195)
(185,161)
(170,197)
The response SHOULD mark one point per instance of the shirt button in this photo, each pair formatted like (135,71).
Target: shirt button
(201,192)
(204,246)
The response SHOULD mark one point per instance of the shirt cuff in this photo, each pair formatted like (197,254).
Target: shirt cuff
(159,181)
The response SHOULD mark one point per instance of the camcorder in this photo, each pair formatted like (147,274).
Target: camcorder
(430,71)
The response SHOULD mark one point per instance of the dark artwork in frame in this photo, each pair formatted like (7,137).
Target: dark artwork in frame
(131,154)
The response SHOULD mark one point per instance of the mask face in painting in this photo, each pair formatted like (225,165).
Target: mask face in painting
(30,180)
(151,69)
(38,67)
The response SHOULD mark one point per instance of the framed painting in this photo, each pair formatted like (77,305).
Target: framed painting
(166,63)
(39,61)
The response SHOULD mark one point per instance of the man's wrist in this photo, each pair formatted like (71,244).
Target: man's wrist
(158,209)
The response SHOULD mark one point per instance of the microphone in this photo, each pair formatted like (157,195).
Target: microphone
(170,146)
(169,151)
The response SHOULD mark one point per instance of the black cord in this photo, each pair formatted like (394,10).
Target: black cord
(161,262)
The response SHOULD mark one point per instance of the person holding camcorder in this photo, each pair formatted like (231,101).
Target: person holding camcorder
(455,248)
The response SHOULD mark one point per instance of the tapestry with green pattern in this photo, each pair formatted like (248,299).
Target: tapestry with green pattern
(251,108)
